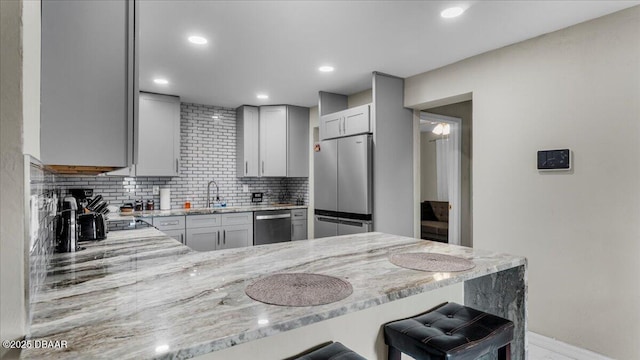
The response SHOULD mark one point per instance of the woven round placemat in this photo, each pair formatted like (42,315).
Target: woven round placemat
(431,262)
(298,289)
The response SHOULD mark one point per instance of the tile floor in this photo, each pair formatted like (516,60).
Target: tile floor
(538,353)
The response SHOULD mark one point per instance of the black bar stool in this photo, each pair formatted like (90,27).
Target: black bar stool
(449,331)
(328,351)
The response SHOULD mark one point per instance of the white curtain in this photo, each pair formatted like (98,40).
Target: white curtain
(448,181)
(442,168)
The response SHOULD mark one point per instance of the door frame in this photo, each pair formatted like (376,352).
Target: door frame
(455,203)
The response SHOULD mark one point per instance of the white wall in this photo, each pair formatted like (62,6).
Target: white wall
(12,247)
(31,76)
(577,88)
(361,98)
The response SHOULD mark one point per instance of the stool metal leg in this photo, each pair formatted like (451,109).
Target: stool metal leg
(504,353)
(394,354)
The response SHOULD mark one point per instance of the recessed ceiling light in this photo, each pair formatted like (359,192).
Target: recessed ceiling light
(452,12)
(262,96)
(326,68)
(161,81)
(198,40)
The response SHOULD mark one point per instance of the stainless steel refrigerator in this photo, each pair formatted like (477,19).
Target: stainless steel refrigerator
(343,186)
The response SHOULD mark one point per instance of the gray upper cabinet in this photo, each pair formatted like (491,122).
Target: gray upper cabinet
(279,147)
(247,139)
(87,83)
(273,141)
(347,122)
(158,135)
(330,126)
(298,141)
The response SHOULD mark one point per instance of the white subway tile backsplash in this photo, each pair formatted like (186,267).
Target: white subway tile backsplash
(207,152)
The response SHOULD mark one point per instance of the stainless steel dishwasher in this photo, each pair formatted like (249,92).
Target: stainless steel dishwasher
(271,226)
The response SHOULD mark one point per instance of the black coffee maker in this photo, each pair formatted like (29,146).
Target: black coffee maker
(66,228)
(83,197)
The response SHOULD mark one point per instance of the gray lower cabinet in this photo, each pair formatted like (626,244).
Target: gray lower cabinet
(173,226)
(203,239)
(158,135)
(203,232)
(87,83)
(176,234)
(237,230)
(299,224)
(219,231)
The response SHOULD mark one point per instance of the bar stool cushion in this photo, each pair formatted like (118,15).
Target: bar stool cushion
(333,351)
(450,331)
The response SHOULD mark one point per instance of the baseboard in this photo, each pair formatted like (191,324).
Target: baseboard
(562,348)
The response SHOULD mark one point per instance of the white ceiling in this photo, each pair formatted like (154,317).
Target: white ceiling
(275,47)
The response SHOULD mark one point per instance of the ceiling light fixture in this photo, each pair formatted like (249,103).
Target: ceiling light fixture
(452,12)
(262,96)
(326,68)
(198,40)
(442,129)
(161,81)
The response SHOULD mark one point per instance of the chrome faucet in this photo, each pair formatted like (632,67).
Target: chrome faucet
(209,192)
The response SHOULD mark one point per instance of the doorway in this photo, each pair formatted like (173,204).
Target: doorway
(440,169)
(446,187)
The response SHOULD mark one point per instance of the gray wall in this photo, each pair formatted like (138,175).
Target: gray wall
(393,181)
(576,88)
(207,152)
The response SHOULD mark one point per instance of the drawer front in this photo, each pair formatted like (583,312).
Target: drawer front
(298,214)
(169,222)
(200,221)
(237,218)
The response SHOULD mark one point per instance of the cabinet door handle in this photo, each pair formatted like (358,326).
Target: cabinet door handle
(169,223)
(262,167)
(344,125)
(182,238)
(177,165)
(218,237)
(224,237)
(246,167)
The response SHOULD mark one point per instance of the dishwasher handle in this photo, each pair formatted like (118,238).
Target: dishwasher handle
(272,217)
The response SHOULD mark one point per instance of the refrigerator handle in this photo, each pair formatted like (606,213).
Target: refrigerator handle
(352,223)
(327,219)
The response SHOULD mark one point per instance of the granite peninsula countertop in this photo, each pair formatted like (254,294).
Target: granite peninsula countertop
(213,210)
(140,294)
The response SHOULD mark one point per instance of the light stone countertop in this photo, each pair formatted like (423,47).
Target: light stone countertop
(140,294)
(214,210)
